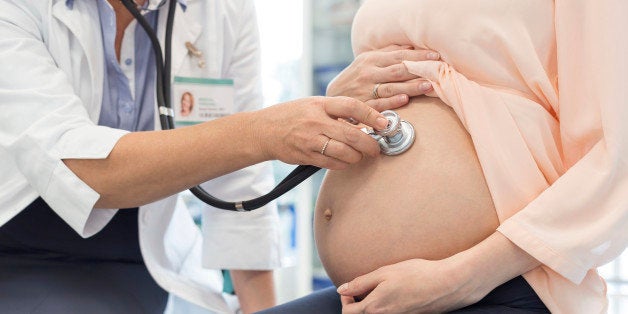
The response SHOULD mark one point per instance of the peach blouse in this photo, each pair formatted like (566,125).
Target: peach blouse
(542,88)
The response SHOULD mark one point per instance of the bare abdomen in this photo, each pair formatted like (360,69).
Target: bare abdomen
(430,202)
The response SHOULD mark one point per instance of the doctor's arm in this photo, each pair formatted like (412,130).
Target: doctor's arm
(52,141)
(146,166)
(49,124)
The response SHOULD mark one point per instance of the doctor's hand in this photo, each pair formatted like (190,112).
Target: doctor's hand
(412,286)
(308,132)
(380,79)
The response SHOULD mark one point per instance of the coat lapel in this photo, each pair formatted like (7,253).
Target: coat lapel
(82,22)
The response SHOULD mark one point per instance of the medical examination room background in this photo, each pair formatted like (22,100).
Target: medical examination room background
(304,45)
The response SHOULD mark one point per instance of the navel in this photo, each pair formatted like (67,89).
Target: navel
(327,214)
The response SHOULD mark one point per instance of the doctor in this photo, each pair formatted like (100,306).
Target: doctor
(77,79)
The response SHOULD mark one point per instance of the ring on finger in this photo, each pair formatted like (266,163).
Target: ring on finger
(325,146)
(374,91)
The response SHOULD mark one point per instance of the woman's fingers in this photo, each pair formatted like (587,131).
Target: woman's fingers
(397,94)
(360,79)
(361,285)
(345,300)
(393,73)
(387,58)
(396,47)
(411,88)
(389,103)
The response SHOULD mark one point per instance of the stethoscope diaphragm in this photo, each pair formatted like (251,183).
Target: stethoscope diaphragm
(396,138)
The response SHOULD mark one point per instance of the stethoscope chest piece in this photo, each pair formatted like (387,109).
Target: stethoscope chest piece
(396,138)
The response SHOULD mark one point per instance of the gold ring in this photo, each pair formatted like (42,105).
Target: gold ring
(374,92)
(325,146)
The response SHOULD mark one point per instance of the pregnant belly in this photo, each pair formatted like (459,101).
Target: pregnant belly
(430,202)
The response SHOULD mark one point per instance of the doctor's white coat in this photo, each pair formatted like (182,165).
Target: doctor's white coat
(51,65)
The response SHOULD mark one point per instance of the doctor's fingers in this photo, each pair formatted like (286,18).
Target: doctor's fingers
(348,143)
(352,109)
(295,132)
(326,152)
(347,133)
(338,150)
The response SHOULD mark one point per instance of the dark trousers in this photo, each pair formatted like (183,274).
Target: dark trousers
(51,287)
(46,267)
(515,296)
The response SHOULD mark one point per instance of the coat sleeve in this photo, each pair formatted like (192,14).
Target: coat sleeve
(250,240)
(581,221)
(44,121)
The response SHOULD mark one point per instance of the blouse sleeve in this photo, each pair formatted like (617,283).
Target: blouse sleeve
(581,220)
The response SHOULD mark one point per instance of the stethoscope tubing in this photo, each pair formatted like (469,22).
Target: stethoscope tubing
(166,117)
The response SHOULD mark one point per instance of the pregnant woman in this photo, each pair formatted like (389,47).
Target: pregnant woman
(430,202)
(520,164)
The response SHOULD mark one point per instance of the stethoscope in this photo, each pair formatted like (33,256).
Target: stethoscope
(394,140)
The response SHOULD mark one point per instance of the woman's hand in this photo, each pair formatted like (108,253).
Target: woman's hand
(417,286)
(384,67)
(308,131)
(412,286)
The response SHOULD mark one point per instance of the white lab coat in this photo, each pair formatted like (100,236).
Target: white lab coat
(51,60)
